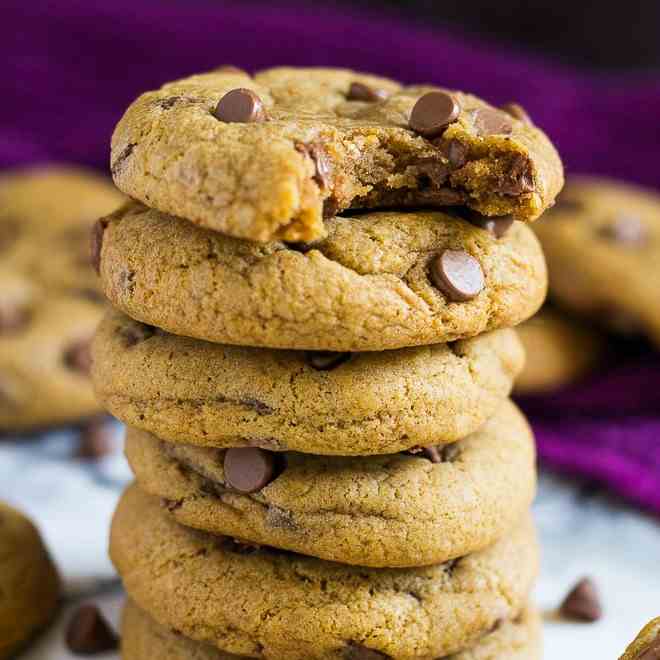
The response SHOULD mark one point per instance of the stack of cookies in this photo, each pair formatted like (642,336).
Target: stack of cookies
(327,463)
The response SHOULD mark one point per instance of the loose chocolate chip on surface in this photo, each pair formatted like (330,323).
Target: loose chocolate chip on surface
(496,225)
(457,274)
(79,357)
(88,633)
(433,112)
(95,440)
(651,652)
(96,243)
(240,106)
(360,92)
(517,112)
(625,229)
(489,121)
(582,603)
(359,652)
(325,360)
(321,162)
(12,318)
(248,469)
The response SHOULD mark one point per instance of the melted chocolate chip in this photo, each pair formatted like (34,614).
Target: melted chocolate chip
(437,453)
(78,356)
(249,469)
(495,225)
(457,274)
(518,180)
(326,360)
(582,603)
(241,106)
(433,170)
(360,92)
(454,151)
(321,162)
(489,121)
(433,112)
(88,633)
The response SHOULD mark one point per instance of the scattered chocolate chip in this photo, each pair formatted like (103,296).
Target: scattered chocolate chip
(325,360)
(517,112)
(496,225)
(433,170)
(321,162)
(358,652)
(489,121)
(454,151)
(96,243)
(13,318)
(651,652)
(240,106)
(128,150)
(433,112)
(88,633)
(95,440)
(248,469)
(79,357)
(360,92)
(457,274)
(582,603)
(626,230)
(136,333)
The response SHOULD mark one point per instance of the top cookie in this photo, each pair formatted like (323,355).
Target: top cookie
(263,157)
(602,243)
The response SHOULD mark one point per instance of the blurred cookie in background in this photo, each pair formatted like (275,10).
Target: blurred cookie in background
(49,296)
(602,245)
(29,584)
(560,351)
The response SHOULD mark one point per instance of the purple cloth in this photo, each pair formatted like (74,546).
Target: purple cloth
(71,67)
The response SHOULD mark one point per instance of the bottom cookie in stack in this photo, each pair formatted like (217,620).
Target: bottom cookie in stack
(257,601)
(144,639)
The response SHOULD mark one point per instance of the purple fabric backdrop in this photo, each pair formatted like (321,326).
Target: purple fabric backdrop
(71,67)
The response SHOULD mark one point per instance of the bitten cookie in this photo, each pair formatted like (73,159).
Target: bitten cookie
(50,301)
(377,281)
(199,393)
(29,585)
(397,510)
(144,639)
(268,603)
(602,242)
(561,350)
(267,156)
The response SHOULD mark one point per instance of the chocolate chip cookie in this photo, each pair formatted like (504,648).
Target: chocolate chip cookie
(646,646)
(561,350)
(185,390)
(269,603)
(267,156)
(29,585)
(50,300)
(408,509)
(144,639)
(602,242)
(377,281)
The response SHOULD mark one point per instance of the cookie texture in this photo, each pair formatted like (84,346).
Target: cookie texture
(289,144)
(602,242)
(367,286)
(269,603)
(29,584)
(646,646)
(396,510)
(561,351)
(50,300)
(184,390)
(144,639)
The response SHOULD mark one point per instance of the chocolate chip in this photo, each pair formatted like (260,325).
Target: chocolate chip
(13,318)
(229,68)
(325,360)
(360,92)
(297,246)
(170,505)
(136,333)
(626,230)
(359,652)
(489,121)
(437,453)
(582,603)
(330,207)
(433,112)
(248,469)
(518,180)
(119,161)
(78,356)
(96,243)
(241,106)
(434,170)
(517,112)
(651,652)
(95,440)
(454,151)
(457,274)
(496,225)
(322,164)
(88,633)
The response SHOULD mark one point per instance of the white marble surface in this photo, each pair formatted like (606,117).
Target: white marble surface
(583,532)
